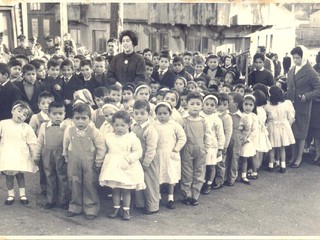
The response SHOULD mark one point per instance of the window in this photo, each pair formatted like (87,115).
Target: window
(46,27)
(35,27)
(164,41)
(35,6)
(99,41)
(153,41)
(75,35)
(205,45)
(195,43)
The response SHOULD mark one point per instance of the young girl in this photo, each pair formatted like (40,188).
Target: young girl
(108,110)
(248,126)
(171,139)
(279,120)
(121,169)
(142,92)
(99,94)
(183,109)
(192,86)
(172,97)
(17,149)
(263,143)
(210,103)
(180,84)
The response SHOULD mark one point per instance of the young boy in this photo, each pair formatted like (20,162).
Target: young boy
(240,88)
(15,67)
(147,54)
(227,128)
(83,149)
(164,75)
(49,150)
(30,88)
(198,72)
(89,81)
(148,135)
(233,152)
(115,92)
(77,67)
(213,70)
(99,69)
(149,71)
(154,86)
(193,154)
(183,110)
(156,60)
(187,59)
(98,96)
(179,70)
(127,91)
(41,70)
(9,92)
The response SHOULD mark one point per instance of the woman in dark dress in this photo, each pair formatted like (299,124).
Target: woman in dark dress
(303,87)
(128,66)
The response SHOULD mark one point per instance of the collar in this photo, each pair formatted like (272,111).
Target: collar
(87,79)
(78,130)
(25,83)
(260,69)
(44,116)
(196,75)
(67,79)
(143,125)
(163,71)
(239,113)
(5,82)
(51,124)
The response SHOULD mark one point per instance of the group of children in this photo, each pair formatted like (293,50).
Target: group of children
(168,130)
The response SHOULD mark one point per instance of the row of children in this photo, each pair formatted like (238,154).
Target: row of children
(184,129)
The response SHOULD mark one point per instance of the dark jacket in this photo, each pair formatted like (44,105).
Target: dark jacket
(265,77)
(219,74)
(9,93)
(166,80)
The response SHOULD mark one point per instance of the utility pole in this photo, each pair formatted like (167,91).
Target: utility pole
(63,20)
(116,19)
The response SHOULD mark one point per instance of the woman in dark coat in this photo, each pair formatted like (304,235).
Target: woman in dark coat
(128,66)
(303,87)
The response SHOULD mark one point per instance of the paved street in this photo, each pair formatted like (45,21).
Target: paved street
(276,204)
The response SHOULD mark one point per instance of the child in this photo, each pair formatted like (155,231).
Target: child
(89,81)
(192,86)
(172,97)
(127,91)
(108,110)
(115,92)
(193,154)
(233,152)
(248,126)
(15,70)
(77,61)
(40,68)
(217,139)
(84,96)
(99,69)
(154,87)
(201,82)
(149,71)
(171,140)
(83,149)
(240,88)
(226,88)
(18,143)
(213,70)
(179,70)
(164,75)
(30,88)
(199,67)
(263,143)
(187,59)
(53,69)
(180,84)
(49,147)
(121,170)
(148,136)
(142,92)
(99,94)
(279,121)
(156,60)
(183,110)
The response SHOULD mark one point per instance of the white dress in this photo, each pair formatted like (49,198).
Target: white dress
(249,130)
(122,149)
(262,141)
(171,136)
(17,146)
(279,118)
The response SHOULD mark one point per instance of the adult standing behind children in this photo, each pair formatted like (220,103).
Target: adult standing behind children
(260,74)
(127,66)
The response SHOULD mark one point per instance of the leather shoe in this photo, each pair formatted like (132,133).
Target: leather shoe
(71,214)
(115,213)
(229,184)
(194,202)
(126,215)
(216,187)
(146,212)
(90,216)
(171,205)
(294,165)
(282,170)
(49,205)
(24,200)
(206,189)
(245,181)
(186,201)
(9,200)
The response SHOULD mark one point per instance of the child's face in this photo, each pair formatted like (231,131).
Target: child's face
(140,115)
(159,98)
(241,91)
(128,107)
(81,120)
(143,94)
(148,55)
(213,63)
(199,68)
(164,63)
(15,71)
(179,85)
(127,94)
(163,114)
(209,106)
(233,106)
(248,105)
(155,60)
(3,78)
(187,60)
(227,61)
(99,101)
(108,113)
(99,67)
(53,72)
(57,115)
(149,71)
(228,78)
(67,71)
(194,106)
(226,89)
(44,104)
(183,102)
(76,63)
(154,88)
(120,127)
(116,95)
(19,114)
(192,87)
(223,106)
(201,83)
(258,63)
(41,72)
(177,67)
(171,99)
(86,71)
(30,76)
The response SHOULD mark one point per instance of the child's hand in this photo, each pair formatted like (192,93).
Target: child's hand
(67,101)
(124,165)
(57,87)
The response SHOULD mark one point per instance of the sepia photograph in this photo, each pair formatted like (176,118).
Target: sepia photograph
(159,120)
